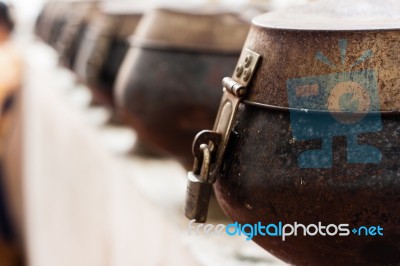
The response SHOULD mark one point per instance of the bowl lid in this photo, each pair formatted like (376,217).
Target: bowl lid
(198,29)
(312,55)
(118,25)
(121,8)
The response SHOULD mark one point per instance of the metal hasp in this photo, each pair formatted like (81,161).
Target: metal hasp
(209,146)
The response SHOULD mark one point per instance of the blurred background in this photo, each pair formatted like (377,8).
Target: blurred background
(100,101)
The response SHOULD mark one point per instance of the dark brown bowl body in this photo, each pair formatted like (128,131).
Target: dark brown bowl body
(260,178)
(168,87)
(103,48)
(265,184)
(169,92)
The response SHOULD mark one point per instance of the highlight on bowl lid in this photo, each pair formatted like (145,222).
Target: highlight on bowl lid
(204,28)
(340,15)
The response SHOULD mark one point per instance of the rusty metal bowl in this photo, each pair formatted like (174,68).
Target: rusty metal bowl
(311,133)
(167,88)
(104,46)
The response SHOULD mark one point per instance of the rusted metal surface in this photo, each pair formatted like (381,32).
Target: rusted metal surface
(261,178)
(289,53)
(170,90)
(264,174)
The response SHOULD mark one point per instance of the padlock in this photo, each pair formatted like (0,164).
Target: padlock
(199,187)
(197,198)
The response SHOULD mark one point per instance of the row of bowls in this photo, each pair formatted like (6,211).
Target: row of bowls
(166,83)
(159,69)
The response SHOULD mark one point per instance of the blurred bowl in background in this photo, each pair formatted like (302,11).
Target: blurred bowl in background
(104,46)
(46,21)
(77,15)
(41,20)
(169,86)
